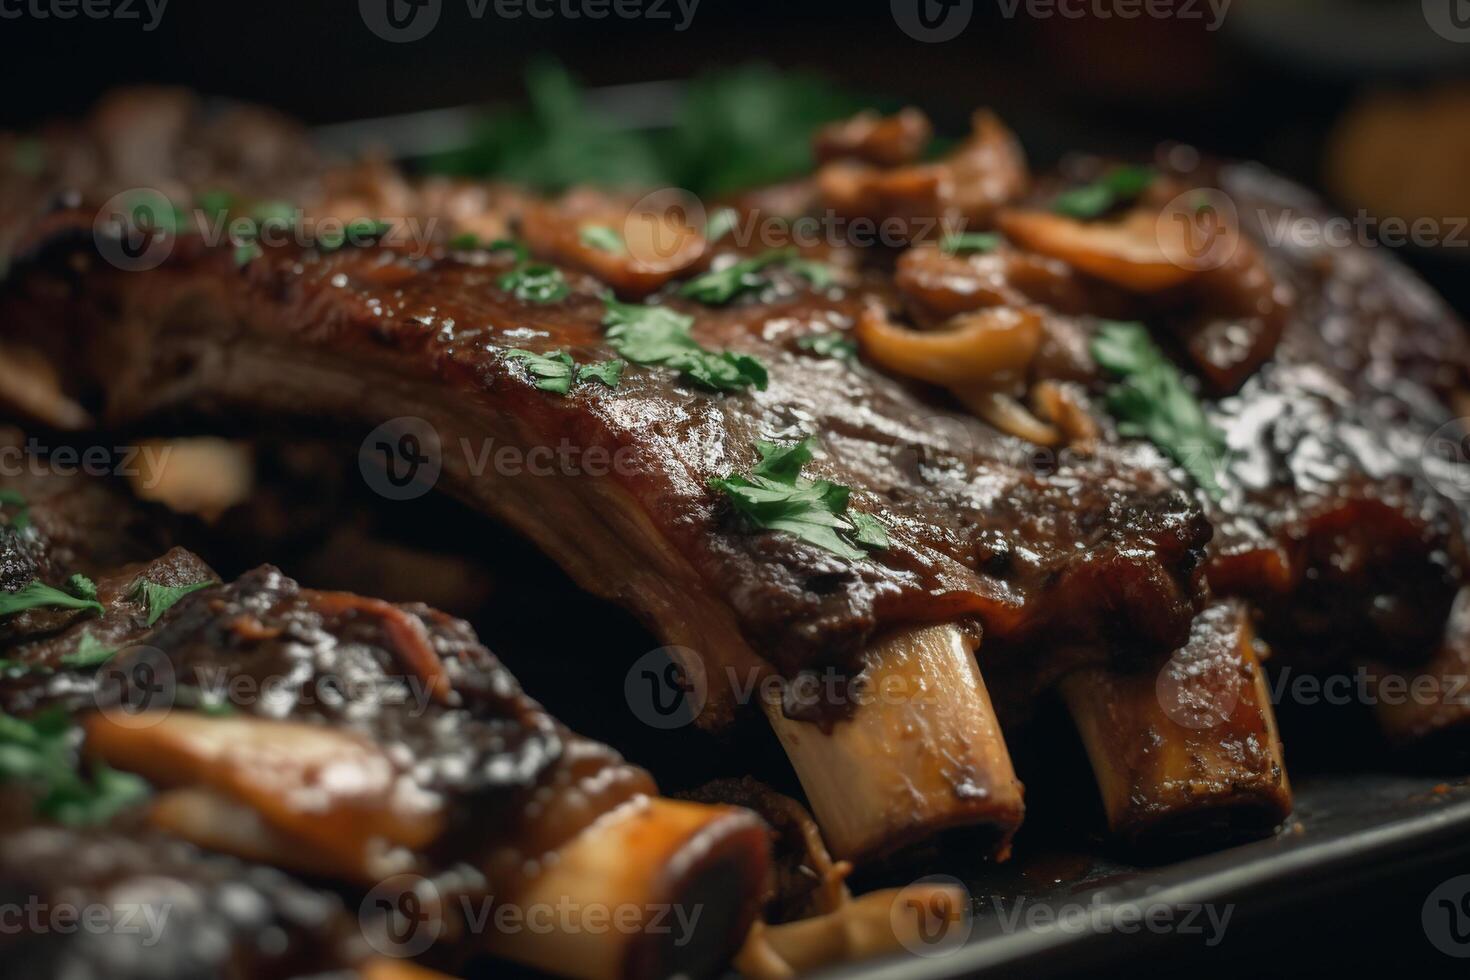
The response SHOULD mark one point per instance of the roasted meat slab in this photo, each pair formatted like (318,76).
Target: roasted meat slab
(1069,449)
(334,736)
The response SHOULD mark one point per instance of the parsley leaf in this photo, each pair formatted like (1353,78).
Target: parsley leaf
(657,335)
(464,242)
(360,231)
(1118,186)
(775,497)
(246,252)
(41,752)
(1151,402)
(536,282)
(215,204)
(972,241)
(83,595)
(160,598)
(553,372)
(720,224)
(609,372)
(830,344)
(602,238)
(722,285)
(21,519)
(89,653)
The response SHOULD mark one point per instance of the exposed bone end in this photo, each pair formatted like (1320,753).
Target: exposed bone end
(921,753)
(689,877)
(203,476)
(1189,753)
(381,969)
(1432,702)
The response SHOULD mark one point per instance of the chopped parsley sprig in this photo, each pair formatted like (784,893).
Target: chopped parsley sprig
(81,593)
(1120,185)
(970,241)
(1150,401)
(21,518)
(776,497)
(656,335)
(161,598)
(720,286)
(557,372)
(41,753)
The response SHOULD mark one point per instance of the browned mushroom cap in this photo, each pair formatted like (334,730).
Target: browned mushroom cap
(884,141)
(964,189)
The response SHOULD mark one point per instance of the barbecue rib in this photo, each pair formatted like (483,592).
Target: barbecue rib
(364,743)
(1100,552)
(1326,370)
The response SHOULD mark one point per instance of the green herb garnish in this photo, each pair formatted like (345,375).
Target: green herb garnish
(21,519)
(360,231)
(656,335)
(247,252)
(970,241)
(602,238)
(1151,402)
(722,285)
(775,497)
(41,753)
(1118,186)
(89,653)
(81,594)
(831,344)
(536,282)
(720,224)
(215,204)
(609,372)
(160,598)
(464,242)
(553,372)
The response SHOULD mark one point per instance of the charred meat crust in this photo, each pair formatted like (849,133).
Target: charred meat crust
(1098,546)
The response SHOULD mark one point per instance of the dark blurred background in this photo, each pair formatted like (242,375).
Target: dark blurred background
(1264,79)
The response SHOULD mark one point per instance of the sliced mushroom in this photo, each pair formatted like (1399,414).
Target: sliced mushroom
(885,141)
(634,247)
(1129,252)
(975,348)
(964,189)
